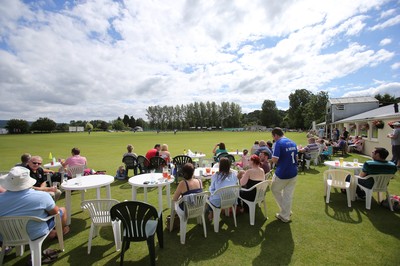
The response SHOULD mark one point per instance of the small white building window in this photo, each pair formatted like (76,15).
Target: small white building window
(340,107)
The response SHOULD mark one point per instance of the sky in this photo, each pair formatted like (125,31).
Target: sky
(102,59)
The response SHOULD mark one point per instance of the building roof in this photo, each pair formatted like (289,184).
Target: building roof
(361,99)
(378,113)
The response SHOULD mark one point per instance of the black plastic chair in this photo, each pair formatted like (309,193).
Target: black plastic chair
(143,164)
(130,163)
(157,163)
(140,222)
(179,161)
(230,157)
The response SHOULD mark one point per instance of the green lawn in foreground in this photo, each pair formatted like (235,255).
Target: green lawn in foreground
(320,233)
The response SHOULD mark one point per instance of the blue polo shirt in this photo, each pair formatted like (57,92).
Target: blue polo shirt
(285,151)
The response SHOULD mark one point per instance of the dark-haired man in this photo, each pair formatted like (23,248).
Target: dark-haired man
(378,165)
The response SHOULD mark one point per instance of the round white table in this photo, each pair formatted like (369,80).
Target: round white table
(145,181)
(82,183)
(238,153)
(52,165)
(347,166)
(205,175)
(199,156)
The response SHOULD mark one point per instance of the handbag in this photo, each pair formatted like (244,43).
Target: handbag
(176,222)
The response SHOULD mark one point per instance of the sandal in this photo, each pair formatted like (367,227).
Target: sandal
(49,259)
(51,252)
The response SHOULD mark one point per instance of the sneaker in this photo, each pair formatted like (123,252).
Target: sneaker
(279,217)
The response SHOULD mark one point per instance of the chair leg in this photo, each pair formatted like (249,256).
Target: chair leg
(152,251)
(368,198)
(116,226)
(348,197)
(124,247)
(252,212)
(204,225)
(328,193)
(3,251)
(91,233)
(182,227)
(389,201)
(217,213)
(36,256)
(265,208)
(234,214)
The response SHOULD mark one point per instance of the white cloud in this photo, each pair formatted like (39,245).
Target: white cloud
(102,59)
(385,41)
(395,66)
(388,23)
(392,89)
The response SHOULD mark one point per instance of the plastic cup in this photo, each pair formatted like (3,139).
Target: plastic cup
(336,162)
(355,161)
(341,161)
(208,170)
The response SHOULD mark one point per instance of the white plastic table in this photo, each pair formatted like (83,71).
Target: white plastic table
(85,182)
(347,166)
(206,176)
(144,181)
(238,153)
(54,165)
(199,156)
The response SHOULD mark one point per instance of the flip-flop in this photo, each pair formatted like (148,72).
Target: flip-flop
(51,252)
(49,259)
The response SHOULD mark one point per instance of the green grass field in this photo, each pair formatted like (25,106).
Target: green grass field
(320,234)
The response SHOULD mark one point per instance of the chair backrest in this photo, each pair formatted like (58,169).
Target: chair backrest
(130,162)
(181,160)
(143,163)
(222,154)
(314,155)
(13,229)
(99,210)
(228,195)
(194,204)
(338,177)
(381,182)
(231,158)
(134,216)
(157,163)
(76,169)
(261,190)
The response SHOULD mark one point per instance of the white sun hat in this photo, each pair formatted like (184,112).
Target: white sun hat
(17,179)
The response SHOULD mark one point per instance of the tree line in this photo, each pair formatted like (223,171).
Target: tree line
(304,107)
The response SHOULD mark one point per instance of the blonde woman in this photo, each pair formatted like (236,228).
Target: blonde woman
(165,154)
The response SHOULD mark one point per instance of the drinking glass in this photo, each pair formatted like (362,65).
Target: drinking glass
(355,161)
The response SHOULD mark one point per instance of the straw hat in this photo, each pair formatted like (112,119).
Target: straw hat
(17,179)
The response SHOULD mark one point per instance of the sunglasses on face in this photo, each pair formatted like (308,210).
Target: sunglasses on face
(36,163)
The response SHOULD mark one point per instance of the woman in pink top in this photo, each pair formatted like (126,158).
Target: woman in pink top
(75,159)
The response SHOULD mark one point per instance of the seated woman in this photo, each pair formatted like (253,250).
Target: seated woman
(223,178)
(189,185)
(218,149)
(165,154)
(250,178)
(244,161)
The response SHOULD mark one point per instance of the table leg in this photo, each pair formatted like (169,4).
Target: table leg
(160,198)
(353,187)
(134,193)
(68,205)
(145,194)
(98,193)
(168,191)
(108,192)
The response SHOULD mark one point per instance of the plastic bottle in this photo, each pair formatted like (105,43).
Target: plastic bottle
(184,151)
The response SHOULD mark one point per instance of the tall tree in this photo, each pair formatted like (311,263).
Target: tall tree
(126,120)
(297,102)
(44,124)
(17,126)
(315,109)
(386,99)
(269,114)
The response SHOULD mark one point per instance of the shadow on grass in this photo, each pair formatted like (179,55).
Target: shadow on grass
(278,246)
(337,208)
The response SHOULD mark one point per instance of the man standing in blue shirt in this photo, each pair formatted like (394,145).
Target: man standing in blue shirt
(285,158)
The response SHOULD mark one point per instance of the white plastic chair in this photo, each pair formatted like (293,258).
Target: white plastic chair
(314,158)
(193,207)
(75,170)
(99,211)
(337,178)
(13,231)
(229,196)
(381,183)
(259,198)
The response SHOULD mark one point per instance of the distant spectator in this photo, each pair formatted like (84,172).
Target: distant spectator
(75,159)
(255,147)
(244,161)
(264,162)
(130,152)
(153,152)
(219,148)
(263,147)
(121,173)
(395,141)
(165,154)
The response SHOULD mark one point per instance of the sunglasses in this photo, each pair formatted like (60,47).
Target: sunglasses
(36,163)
